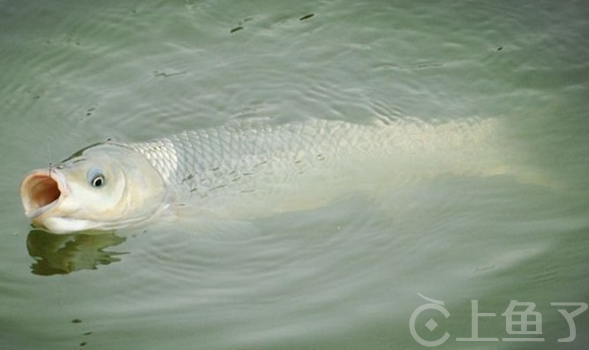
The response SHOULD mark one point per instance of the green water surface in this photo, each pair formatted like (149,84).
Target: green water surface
(343,276)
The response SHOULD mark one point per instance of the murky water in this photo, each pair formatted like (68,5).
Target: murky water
(343,276)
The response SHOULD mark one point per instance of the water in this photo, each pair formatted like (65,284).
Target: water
(343,276)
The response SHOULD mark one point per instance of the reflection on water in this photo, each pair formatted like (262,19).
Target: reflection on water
(64,254)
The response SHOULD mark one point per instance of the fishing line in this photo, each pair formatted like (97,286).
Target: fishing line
(48,149)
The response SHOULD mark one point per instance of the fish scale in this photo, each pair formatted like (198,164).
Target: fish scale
(253,156)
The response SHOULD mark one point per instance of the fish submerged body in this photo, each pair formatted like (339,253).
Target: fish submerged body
(246,169)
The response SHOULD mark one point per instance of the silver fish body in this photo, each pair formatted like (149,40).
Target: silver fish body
(245,169)
(244,156)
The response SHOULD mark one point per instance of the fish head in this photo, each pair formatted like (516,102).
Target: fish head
(102,187)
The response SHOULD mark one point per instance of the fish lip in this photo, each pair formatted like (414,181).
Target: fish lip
(42,190)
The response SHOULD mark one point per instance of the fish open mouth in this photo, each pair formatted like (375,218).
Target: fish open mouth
(39,192)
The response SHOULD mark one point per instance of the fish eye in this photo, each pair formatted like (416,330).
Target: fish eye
(98,181)
(96,178)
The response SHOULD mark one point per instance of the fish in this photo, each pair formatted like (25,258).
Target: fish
(249,168)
